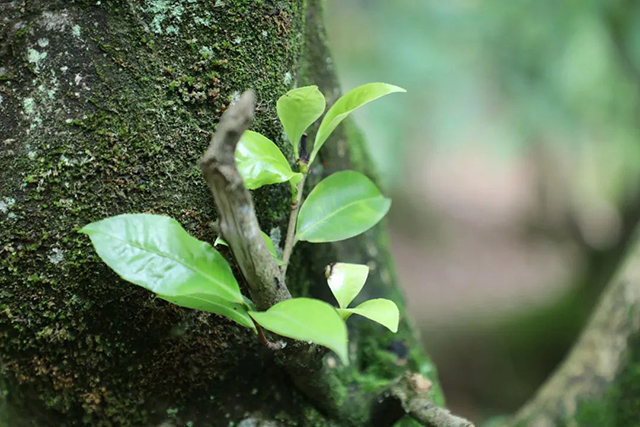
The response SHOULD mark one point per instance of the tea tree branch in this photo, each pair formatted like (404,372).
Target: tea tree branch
(236,215)
(236,160)
(296,201)
(238,225)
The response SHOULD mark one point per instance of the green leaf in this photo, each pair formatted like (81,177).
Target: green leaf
(379,310)
(267,241)
(271,247)
(297,110)
(212,304)
(155,252)
(260,162)
(346,281)
(307,319)
(342,206)
(220,241)
(344,106)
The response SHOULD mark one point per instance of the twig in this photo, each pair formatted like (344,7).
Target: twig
(236,215)
(409,396)
(239,226)
(291,227)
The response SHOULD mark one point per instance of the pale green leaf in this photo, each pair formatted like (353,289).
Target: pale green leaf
(267,241)
(307,319)
(260,162)
(155,252)
(342,206)
(346,281)
(297,110)
(344,106)
(382,311)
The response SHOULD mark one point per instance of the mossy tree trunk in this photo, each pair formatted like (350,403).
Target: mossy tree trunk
(105,108)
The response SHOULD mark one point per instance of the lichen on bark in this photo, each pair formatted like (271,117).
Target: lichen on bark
(105,108)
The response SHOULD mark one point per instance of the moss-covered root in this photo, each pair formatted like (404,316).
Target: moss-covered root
(599,382)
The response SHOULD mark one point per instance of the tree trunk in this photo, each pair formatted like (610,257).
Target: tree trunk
(105,108)
(598,384)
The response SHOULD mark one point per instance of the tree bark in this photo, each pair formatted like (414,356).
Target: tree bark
(105,108)
(598,384)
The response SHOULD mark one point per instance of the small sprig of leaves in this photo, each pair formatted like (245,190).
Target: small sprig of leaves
(156,253)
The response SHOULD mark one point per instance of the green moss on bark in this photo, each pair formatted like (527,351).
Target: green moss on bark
(107,107)
(107,115)
(620,407)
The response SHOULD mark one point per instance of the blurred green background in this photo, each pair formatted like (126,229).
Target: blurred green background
(514,165)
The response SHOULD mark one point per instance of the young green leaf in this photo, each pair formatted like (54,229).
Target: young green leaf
(155,252)
(346,281)
(271,247)
(297,110)
(342,206)
(212,304)
(344,106)
(379,310)
(267,241)
(220,241)
(260,162)
(307,319)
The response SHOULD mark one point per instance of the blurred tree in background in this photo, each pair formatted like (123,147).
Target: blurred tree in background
(516,163)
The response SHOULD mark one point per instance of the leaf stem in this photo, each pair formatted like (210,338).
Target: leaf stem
(264,340)
(296,201)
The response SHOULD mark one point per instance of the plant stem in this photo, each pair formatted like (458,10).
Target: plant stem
(237,219)
(409,395)
(274,346)
(291,228)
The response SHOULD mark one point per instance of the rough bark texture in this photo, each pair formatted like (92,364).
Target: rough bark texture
(105,108)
